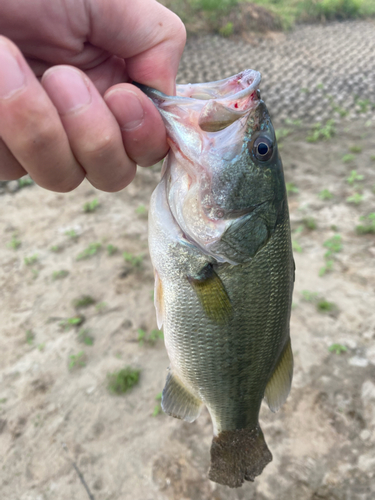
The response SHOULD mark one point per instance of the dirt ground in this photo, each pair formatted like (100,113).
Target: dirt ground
(58,420)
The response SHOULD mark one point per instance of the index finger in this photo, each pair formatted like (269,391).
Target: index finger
(148,35)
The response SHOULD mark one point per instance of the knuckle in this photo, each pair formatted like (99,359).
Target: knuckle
(103,146)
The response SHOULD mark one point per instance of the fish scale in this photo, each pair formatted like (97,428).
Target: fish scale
(220,244)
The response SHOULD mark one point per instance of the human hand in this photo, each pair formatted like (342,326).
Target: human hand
(65,111)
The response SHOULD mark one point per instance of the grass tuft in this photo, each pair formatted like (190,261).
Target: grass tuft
(123,380)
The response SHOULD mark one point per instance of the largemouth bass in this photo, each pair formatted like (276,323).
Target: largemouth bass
(220,245)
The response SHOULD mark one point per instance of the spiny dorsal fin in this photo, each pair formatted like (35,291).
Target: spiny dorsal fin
(212,295)
(278,386)
(178,402)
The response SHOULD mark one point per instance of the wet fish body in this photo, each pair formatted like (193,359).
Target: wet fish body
(220,245)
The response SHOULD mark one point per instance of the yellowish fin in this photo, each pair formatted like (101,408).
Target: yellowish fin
(178,402)
(278,386)
(213,296)
(159,300)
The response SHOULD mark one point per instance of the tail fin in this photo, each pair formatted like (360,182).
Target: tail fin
(237,456)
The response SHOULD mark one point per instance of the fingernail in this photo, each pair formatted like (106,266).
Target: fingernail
(129,111)
(12,78)
(66,88)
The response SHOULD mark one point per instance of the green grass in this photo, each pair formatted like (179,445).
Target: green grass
(150,338)
(141,210)
(337,348)
(291,188)
(354,177)
(157,408)
(71,233)
(356,198)
(309,296)
(296,246)
(334,245)
(111,249)
(310,223)
(69,323)
(25,182)
(83,301)
(14,243)
(355,149)
(90,251)
(281,133)
(368,224)
(77,360)
(30,337)
(101,306)
(59,275)
(91,206)
(84,337)
(29,261)
(324,306)
(123,380)
(348,158)
(134,260)
(322,131)
(325,194)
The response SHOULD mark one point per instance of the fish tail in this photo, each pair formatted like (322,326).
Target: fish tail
(238,455)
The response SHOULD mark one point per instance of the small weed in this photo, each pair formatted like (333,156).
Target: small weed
(69,323)
(71,233)
(296,246)
(320,132)
(310,223)
(90,251)
(335,107)
(77,360)
(30,260)
(30,337)
(348,158)
(289,121)
(326,268)
(14,243)
(355,149)
(111,249)
(102,306)
(324,306)
(281,133)
(368,226)
(354,177)
(363,105)
(121,381)
(41,346)
(226,30)
(83,301)
(309,296)
(325,194)
(356,198)
(291,188)
(56,248)
(158,408)
(337,348)
(134,260)
(150,338)
(59,275)
(333,244)
(141,210)
(25,182)
(320,86)
(3,400)
(83,336)
(91,206)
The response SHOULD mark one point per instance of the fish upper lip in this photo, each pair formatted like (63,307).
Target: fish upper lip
(249,79)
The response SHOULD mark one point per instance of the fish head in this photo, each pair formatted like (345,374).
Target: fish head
(224,161)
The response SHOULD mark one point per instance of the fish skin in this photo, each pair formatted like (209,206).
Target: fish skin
(244,262)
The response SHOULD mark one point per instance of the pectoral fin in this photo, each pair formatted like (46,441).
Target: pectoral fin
(159,300)
(212,295)
(178,402)
(278,386)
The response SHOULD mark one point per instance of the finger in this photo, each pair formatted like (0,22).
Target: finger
(149,36)
(93,131)
(31,127)
(143,130)
(10,169)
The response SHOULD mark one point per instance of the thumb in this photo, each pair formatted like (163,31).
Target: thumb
(146,34)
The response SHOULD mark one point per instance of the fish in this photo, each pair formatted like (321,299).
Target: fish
(220,245)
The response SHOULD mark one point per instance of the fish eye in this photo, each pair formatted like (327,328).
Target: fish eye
(263,148)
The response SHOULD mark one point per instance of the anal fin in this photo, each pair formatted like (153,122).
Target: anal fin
(178,402)
(278,386)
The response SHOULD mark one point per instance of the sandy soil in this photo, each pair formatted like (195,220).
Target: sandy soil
(56,421)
